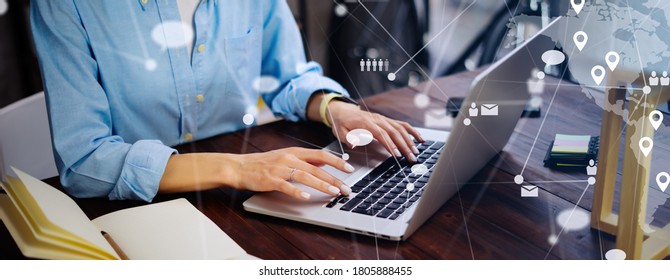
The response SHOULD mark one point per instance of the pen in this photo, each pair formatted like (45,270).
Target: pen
(115,246)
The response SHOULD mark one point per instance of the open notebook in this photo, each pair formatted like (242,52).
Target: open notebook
(47,224)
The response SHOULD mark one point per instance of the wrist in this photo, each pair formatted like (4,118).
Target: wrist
(336,106)
(228,170)
(198,171)
(323,107)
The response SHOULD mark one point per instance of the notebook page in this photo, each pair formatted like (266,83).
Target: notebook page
(26,239)
(169,230)
(31,220)
(59,214)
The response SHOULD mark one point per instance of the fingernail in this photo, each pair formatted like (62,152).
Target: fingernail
(348,167)
(305,195)
(346,190)
(397,152)
(333,190)
(412,158)
(415,150)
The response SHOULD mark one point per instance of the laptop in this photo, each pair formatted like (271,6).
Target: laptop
(392,198)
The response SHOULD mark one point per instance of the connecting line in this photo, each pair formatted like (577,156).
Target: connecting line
(637,171)
(541,125)
(600,240)
(245,140)
(383,141)
(465,223)
(643,21)
(432,39)
(126,55)
(564,181)
(644,110)
(363,103)
(308,143)
(534,182)
(512,18)
(646,17)
(423,72)
(635,38)
(337,135)
(387,32)
(460,204)
(134,18)
(567,222)
(337,131)
(629,117)
(565,85)
(560,83)
(630,113)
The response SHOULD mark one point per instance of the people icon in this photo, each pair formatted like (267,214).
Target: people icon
(653,80)
(376,65)
(665,80)
(535,85)
(592,169)
(474,111)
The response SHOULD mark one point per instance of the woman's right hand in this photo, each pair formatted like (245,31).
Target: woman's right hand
(274,171)
(261,172)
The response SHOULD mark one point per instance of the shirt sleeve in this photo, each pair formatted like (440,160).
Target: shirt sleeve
(284,58)
(91,161)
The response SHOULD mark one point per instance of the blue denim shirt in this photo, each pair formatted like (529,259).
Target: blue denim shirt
(118,98)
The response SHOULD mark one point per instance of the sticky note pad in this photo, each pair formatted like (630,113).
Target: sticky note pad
(571,144)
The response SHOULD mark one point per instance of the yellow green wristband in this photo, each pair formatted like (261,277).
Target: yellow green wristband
(324,105)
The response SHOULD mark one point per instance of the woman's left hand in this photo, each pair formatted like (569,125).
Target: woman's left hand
(394,135)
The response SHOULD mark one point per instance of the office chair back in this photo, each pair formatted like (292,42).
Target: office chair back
(25,139)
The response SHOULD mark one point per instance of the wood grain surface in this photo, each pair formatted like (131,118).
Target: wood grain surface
(487,219)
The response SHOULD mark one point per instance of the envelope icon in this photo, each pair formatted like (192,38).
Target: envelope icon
(529,191)
(489,110)
(438,118)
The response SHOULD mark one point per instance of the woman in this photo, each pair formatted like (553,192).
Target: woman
(123,85)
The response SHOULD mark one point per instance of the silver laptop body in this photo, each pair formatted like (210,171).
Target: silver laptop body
(499,92)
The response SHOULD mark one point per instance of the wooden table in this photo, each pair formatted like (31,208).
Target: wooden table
(487,220)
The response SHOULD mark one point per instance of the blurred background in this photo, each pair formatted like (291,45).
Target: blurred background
(419,39)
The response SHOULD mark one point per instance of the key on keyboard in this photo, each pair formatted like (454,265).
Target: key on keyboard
(383,192)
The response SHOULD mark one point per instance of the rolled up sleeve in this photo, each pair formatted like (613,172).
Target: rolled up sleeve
(142,171)
(91,160)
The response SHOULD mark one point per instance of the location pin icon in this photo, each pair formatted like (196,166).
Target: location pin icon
(656,119)
(663,179)
(646,144)
(598,74)
(612,59)
(580,39)
(577,7)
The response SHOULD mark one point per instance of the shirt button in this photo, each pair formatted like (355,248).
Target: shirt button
(144,2)
(201,48)
(188,137)
(200,98)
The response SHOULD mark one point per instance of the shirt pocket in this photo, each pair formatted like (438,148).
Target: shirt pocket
(243,59)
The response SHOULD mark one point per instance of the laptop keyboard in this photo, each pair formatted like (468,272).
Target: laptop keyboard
(392,187)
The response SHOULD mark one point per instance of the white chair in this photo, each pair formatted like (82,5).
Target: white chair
(25,139)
